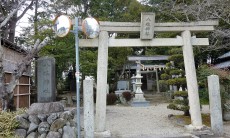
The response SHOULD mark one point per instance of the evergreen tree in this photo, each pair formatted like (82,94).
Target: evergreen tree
(175,76)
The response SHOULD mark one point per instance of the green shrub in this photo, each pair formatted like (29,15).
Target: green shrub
(176,72)
(165,76)
(163,82)
(177,81)
(181,81)
(176,51)
(111,98)
(204,97)
(185,109)
(168,64)
(180,104)
(177,58)
(171,81)
(181,93)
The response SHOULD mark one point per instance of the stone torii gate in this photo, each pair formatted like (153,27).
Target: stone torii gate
(147,28)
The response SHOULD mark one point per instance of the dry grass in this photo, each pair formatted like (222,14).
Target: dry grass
(187,119)
(8,123)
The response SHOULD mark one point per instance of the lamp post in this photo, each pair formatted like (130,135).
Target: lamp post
(77,75)
(90,27)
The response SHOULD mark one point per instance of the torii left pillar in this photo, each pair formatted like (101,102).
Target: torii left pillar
(102,64)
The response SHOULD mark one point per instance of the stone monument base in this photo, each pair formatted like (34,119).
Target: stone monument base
(45,108)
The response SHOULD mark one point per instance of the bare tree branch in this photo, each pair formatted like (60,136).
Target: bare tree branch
(25,10)
(12,14)
(22,67)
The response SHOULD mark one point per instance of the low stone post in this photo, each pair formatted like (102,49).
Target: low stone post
(88,108)
(215,105)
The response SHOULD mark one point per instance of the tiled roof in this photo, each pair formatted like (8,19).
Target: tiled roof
(222,65)
(225,55)
(13,46)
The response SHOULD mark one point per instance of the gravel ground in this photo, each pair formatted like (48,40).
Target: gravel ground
(126,121)
(146,122)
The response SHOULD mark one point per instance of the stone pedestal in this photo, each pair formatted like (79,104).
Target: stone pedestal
(139,100)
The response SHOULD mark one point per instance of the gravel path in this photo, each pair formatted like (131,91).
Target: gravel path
(126,121)
(146,122)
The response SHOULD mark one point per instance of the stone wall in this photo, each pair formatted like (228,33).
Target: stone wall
(47,120)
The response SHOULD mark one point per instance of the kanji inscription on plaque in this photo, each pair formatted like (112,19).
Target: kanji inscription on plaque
(147,25)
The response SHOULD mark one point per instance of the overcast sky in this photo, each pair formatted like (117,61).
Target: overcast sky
(23,22)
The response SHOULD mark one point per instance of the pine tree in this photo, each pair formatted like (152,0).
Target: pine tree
(175,76)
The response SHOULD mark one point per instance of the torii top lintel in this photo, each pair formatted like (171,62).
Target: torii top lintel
(121,27)
(148,19)
(135,27)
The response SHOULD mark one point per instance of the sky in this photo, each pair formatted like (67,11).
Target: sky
(23,22)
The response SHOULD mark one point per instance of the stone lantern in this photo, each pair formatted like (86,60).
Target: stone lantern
(133,82)
(139,100)
(138,83)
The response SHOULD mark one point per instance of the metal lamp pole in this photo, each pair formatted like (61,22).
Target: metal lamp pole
(92,27)
(77,75)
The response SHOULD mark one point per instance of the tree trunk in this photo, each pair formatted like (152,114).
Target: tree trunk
(12,26)
(8,26)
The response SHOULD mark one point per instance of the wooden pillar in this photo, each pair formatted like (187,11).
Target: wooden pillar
(191,79)
(102,64)
(157,81)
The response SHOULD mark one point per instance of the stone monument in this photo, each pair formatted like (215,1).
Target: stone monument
(46,80)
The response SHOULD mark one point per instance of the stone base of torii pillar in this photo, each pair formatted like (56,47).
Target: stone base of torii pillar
(139,99)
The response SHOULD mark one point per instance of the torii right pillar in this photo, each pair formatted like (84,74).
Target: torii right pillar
(192,86)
